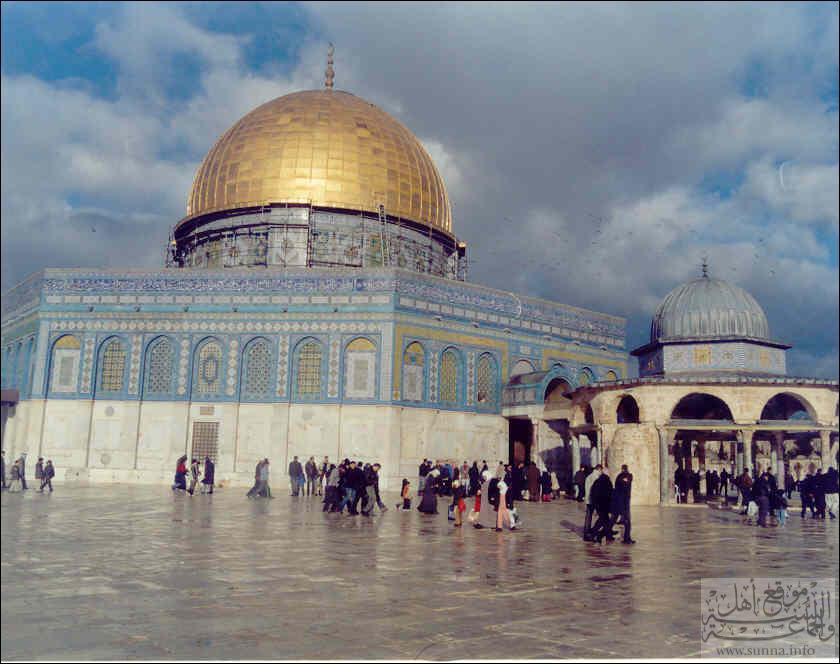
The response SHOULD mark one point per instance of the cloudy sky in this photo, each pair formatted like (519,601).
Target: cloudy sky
(593,153)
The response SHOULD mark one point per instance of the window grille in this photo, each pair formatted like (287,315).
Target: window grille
(257,370)
(413,361)
(113,367)
(209,378)
(449,377)
(486,381)
(205,441)
(159,371)
(309,370)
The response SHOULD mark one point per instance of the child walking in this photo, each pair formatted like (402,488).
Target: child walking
(405,494)
(459,505)
(780,505)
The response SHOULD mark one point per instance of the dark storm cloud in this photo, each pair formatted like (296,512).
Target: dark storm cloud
(593,152)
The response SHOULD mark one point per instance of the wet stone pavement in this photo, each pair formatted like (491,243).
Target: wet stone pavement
(133,572)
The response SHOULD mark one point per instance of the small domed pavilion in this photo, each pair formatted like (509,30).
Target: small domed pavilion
(712,394)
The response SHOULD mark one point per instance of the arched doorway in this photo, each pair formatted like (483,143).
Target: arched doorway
(703,446)
(789,438)
(627,411)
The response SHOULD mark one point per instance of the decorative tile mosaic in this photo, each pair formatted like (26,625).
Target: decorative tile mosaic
(183,365)
(282,366)
(134,367)
(233,358)
(333,377)
(470,378)
(87,364)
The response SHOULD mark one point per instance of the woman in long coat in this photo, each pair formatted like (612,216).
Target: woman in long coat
(209,475)
(503,518)
(487,513)
(428,505)
(181,474)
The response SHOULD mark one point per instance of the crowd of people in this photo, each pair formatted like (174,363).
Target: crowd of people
(44,472)
(761,495)
(610,502)
(354,486)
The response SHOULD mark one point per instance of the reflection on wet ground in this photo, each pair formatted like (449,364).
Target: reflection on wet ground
(127,572)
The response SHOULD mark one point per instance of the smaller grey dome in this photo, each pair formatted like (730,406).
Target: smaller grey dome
(709,308)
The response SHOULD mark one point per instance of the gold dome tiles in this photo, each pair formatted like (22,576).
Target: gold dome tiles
(326,147)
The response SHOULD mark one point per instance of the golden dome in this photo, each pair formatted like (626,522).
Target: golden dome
(327,148)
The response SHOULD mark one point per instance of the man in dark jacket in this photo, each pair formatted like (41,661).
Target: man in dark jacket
(761,495)
(371,497)
(311,476)
(22,466)
(295,476)
(209,475)
(620,503)
(819,494)
(580,480)
(789,484)
(357,481)
(830,488)
(422,471)
(715,483)
(381,505)
(47,473)
(601,495)
(724,483)
(475,479)
(806,492)
(745,487)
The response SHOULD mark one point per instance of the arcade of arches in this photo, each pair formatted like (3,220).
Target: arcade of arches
(657,426)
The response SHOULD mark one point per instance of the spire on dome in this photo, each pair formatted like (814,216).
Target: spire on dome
(330,72)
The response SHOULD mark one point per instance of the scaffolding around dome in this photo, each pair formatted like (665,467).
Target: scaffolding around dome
(296,235)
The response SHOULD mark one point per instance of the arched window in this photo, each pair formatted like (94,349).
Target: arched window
(20,366)
(65,364)
(611,375)
(585,377)
(522,367)
(414,361)
(4,369)
(112,366)
(160,368)
(700,406)
(360,369)
(208,369)
(486,382)
(556,390)
(30,363)
(308,374)
(787,407)
(450,370)
(627,411)
(256,371)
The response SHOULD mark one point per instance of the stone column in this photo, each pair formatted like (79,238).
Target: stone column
(575,453)
(739,460)
(777,457)
(664,467)
(825,450)
(598,454)
(746,438)
(832,452)
(535,439)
